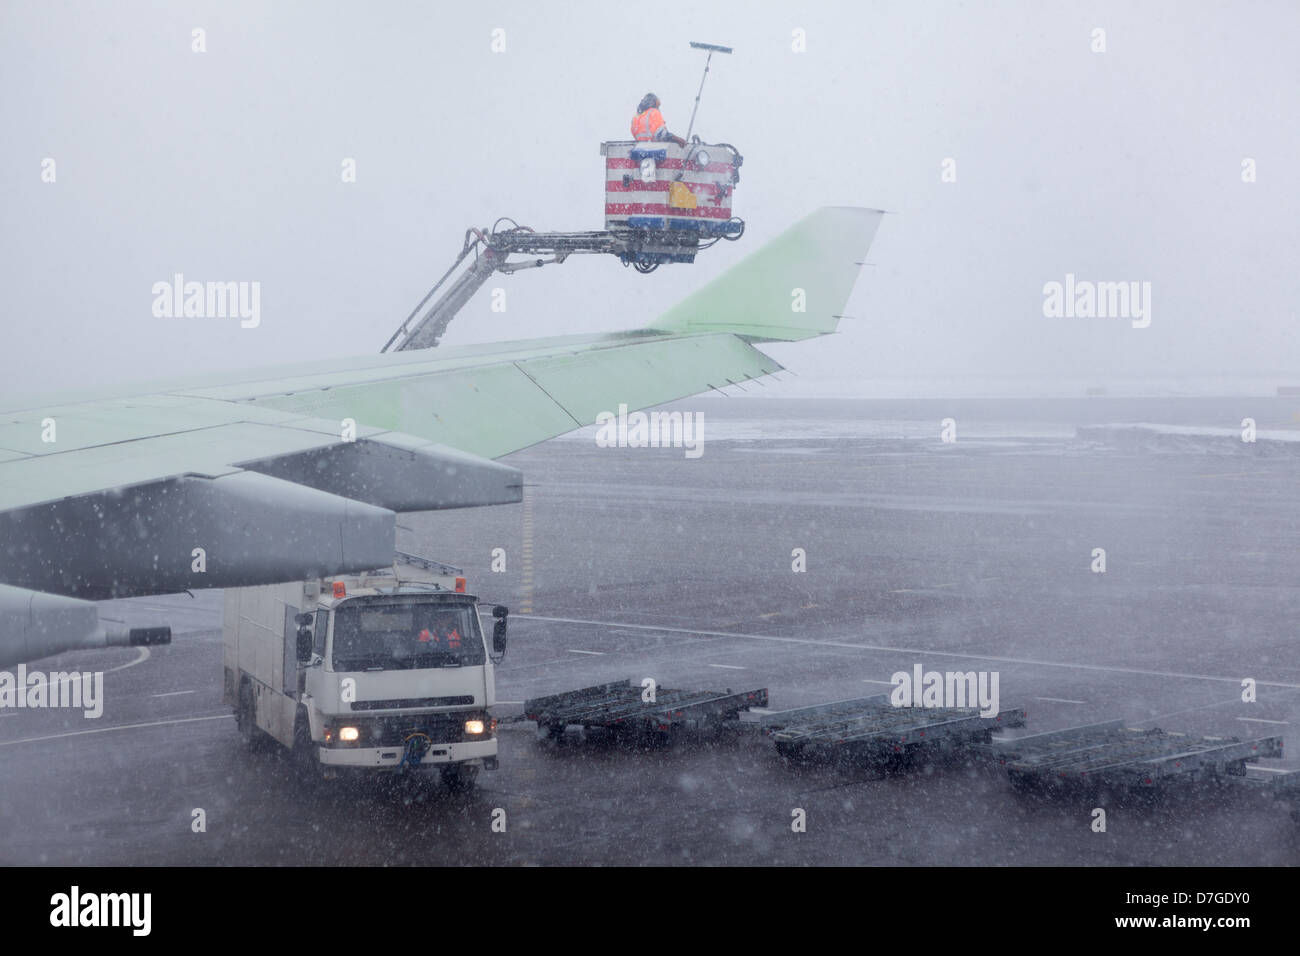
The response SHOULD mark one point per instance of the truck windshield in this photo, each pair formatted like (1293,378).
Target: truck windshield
(405,636)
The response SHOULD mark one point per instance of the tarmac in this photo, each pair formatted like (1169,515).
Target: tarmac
(978,554)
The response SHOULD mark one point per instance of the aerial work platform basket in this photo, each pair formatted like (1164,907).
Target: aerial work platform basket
(670,201)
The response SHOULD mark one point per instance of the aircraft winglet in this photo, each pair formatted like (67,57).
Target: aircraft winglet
(813,265)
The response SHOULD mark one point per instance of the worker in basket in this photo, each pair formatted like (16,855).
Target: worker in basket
(648,124)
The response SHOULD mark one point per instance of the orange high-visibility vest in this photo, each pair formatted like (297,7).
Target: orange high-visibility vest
(645,125)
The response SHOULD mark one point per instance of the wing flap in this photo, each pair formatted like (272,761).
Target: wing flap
(650,374)
(487,411)
(62,428)
(499,409)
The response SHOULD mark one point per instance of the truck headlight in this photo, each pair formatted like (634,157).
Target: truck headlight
(474,727)
(349,735)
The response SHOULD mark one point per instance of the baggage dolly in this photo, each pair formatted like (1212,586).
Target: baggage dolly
(622,707)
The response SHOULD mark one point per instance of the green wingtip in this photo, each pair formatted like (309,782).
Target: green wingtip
(759,298)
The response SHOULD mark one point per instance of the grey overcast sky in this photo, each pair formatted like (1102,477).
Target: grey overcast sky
(1125,164)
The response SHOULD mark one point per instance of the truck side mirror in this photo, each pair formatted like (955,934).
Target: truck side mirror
(500,612)
(303,645)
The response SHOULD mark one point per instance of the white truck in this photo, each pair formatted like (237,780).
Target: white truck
(385,671)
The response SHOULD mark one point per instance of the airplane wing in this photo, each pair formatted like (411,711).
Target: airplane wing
(298,471)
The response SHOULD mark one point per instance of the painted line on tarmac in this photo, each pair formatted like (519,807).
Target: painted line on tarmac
(174,693)
(1261,720)
(593,653)
(882,648)
(1232,701)
(105,730)
(1061,700)
(730,667)
(140,658)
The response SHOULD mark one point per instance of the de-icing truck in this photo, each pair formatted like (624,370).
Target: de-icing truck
(384,671)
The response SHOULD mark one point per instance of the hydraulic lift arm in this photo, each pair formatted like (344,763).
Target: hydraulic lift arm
(423,328)
(645,226)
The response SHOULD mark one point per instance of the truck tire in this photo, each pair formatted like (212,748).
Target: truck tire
(550,732)
(245,721)
(791,753)
(459,778)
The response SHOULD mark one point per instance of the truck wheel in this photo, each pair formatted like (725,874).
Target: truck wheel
(254,738)
(458,777)
(552,732)
(791,753)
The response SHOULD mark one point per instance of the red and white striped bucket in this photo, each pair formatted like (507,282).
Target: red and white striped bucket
(662,186)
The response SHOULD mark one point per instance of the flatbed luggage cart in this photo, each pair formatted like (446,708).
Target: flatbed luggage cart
(619,707)
(1279,784)
(872,730)
(1113,755)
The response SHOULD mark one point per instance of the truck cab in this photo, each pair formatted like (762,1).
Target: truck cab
(387,671)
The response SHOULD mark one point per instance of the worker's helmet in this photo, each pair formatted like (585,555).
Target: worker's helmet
(647,101)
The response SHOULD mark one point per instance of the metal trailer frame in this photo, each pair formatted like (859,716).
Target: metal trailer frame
(1111,754)
(618,706)
(873,730)
(1283,785)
